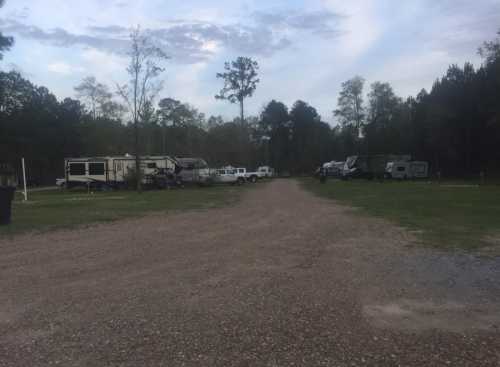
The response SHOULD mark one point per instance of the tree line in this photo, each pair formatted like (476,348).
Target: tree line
(455,126)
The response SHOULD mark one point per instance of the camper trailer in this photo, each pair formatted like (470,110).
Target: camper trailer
(369,166)
(407,170)
(112,172)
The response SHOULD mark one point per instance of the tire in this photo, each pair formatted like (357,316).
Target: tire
(253,179)
(240,181)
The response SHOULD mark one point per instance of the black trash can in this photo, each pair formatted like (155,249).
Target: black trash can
(7,189)
(6,196)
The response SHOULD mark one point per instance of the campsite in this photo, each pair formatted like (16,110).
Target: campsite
(249,183)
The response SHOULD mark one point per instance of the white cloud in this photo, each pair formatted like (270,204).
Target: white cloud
(106,67)
(361,26)
(184,83)
(408,43)
(60,67)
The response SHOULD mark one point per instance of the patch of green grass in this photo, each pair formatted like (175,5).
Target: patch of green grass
(49,210)
(448,215)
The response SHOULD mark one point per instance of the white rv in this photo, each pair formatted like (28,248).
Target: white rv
(112,172)
(402,170)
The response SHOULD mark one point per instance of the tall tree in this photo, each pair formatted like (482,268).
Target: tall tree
(240,81)
(309,137)
(94,94)
(174,112)
(350,109)
(144,85)
(179,119)
(491,50)
(275,123)
(5,42)
(382,103)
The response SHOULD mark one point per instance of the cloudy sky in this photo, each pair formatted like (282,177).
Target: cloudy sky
(305,48)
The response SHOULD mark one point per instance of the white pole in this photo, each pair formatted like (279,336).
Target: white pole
(24,180)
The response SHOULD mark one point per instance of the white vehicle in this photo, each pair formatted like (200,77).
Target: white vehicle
(194,170)
(228,176)
(111,172)
(334,168)
(401,170)
(248,176)
(265,171)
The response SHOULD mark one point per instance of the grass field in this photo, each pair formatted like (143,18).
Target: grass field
(48,210)
(447,215)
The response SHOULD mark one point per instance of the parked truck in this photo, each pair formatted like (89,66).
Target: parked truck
(228,176)
(252,177)
(265,171)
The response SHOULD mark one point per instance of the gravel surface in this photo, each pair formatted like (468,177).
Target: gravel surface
(283,278)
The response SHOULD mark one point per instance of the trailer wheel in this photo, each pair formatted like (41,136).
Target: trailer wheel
(253,179)
(241,181)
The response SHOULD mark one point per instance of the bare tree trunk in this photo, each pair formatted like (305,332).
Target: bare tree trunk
(242,115)
(164,140)
(138,174)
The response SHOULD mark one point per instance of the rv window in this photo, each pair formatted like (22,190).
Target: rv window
(152,165)
(77,169)
(96,169)
(401,169)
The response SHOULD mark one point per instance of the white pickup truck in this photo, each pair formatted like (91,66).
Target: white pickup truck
(248,176)
(228,176)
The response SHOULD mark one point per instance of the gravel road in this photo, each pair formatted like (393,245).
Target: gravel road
(282,278)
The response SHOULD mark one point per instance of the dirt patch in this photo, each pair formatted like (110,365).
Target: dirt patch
(281,278)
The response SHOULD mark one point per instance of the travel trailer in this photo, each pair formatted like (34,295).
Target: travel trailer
(407,170)
(369,166)
(112,172)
